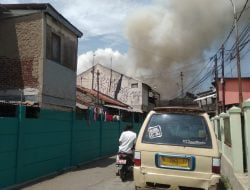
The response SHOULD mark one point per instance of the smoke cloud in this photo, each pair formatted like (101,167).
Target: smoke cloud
(173,36)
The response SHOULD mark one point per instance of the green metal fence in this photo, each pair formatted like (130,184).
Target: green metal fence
(34,147)
(8,151)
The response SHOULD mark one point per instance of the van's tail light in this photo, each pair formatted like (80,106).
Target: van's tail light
(216,165)
(137,158)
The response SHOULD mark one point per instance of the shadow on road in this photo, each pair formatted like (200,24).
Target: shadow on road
(102,163)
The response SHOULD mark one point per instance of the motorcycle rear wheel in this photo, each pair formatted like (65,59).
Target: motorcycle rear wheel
(123,174)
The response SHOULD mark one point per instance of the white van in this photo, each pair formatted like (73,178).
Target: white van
(177,147)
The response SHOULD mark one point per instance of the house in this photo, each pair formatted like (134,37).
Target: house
(130,91)
(232,91)
(207,101)
(101,104)
(38,56)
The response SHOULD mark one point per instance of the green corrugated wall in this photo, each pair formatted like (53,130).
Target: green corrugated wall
(34,147)
(8,149)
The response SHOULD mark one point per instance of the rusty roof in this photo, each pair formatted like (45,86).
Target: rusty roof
(102,96)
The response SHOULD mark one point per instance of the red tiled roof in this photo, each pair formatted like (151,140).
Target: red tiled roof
(103,97)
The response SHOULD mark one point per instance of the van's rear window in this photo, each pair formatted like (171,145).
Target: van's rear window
(178,129)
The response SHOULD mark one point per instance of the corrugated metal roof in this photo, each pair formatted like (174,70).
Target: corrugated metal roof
(47,8)
(102,97)
(118,107)
(205,97)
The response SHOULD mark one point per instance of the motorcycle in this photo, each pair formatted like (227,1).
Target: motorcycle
(124,163)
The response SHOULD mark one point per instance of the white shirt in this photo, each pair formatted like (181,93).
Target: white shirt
(127,141)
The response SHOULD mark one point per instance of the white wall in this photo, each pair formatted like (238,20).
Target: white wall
(127,95)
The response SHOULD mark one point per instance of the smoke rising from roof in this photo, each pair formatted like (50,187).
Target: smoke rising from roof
(172,36)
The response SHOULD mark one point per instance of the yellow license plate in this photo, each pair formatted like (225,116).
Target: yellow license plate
(174,162)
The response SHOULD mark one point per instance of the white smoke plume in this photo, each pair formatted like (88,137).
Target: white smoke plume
(172,36)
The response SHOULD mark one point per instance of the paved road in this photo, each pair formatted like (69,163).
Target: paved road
(99,175)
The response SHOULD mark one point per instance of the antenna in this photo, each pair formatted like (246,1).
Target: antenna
(182,89)
(110,81)
(111,62)
(93,70)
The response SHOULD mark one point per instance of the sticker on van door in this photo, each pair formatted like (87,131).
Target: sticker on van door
(155,132)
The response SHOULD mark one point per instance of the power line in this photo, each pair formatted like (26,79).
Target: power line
(243,9)
(243,36)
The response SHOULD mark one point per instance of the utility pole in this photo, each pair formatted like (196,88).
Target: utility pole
(98,74)
(237,53)
(182,89)
(216,83)
(110,81)
(222,79)
(93,71)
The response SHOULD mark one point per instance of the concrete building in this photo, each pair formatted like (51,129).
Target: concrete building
(38,56)
(232,91)
(207,101)
(132,92)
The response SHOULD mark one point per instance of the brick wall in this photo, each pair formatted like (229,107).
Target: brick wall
(20,52)
(17,73)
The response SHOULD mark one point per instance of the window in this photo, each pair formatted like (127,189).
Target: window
(178,129)
(69,53)
(60,48)
(134,85)
(213,100)
(56,48)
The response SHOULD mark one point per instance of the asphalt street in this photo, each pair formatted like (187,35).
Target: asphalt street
(99,175)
